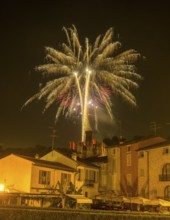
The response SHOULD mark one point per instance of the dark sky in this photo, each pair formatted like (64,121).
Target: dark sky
(26,28)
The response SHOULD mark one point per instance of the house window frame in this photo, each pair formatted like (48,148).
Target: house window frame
(129,148)
(79,174)
(166,172)
(167,192)
(91,175)
(44,177)
(129,179)
(65,178)
(141,172)
(140,154)
(165,151)
(129,159)
(113,151)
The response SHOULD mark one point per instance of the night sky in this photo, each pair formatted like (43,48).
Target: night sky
(26,28)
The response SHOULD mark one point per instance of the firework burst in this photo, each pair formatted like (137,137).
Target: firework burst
(81,76)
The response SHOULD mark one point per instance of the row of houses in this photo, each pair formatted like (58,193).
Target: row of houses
(134,168)
(138,168)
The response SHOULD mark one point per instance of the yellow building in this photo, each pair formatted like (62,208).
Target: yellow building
(87,175)
(113,169)
(154,171)
(30,175)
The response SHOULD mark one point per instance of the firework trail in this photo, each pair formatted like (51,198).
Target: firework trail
(81,78)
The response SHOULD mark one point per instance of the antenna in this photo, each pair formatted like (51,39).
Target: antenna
(154,126)
(120,128)
(53,136)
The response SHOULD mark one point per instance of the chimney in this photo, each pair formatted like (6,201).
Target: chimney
(74,156)
(88,137)
(72,145)
(37,156)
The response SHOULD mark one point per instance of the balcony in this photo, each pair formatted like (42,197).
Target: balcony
(164,177)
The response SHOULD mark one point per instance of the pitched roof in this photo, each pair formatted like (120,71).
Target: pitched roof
(84,162)
(45,163)
(96,159)
(157,145)
(80,161)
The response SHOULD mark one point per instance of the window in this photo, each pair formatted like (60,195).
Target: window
(129,179)
(165,151)
(112,165)
(65,178)
(165,172)
(44,177)
(141,172)
(128,159)
(86,194)
(79,175)
(128,148)
(167,192)
(114,151)
(166,169)
(91,175)
(141,154)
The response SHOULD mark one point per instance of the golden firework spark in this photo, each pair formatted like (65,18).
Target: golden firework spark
(77,74)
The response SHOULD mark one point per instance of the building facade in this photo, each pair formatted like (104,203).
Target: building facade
(30,175)
(154,171)
(87,174)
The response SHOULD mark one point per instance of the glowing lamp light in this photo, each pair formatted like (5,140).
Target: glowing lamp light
(2,187)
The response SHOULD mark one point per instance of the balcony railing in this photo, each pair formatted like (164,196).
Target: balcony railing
(164,177)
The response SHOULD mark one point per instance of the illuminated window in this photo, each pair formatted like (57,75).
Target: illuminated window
(44,177)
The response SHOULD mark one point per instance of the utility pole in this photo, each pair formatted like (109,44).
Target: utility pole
(53,136)
(154,126)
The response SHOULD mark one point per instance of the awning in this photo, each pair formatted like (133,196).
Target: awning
(139,200)
(159,202)
(80,198)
